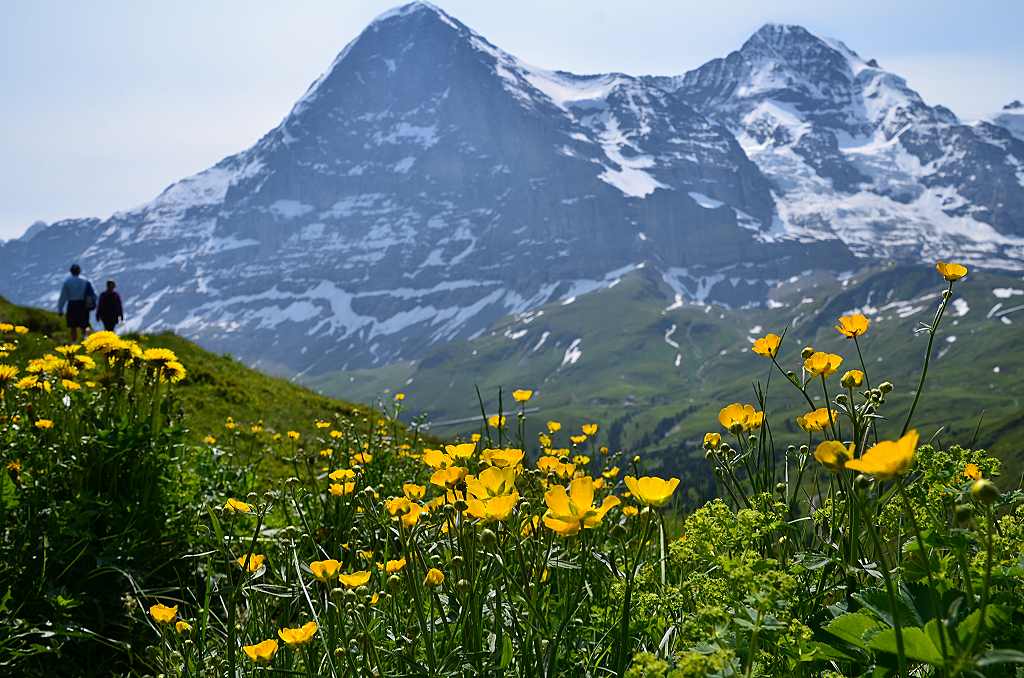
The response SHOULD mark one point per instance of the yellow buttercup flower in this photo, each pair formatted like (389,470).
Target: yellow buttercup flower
(251,562)
(852,379)
(578,439)
(325,570)
(833,455)
(44,424)
(299,636)
(951,272)
(712,441)
(492,482)
(159,356)
(504,458)
(182,626)
(236,506)
(355,579)
(393,566)
(630,511)
(341,489)
(20,329)
(414,491)
(822,364)
(102,342)
(461,451)
(738,417)
(888,458)
(854,325)
(651,490)
(399,397)
(404,509)
(162,613)
(435,577)
(554,426)
(569,511)
(496,421)
(816,420)
(261,653)
(490,509)
(448,477)
(972,472)
(521,395)
(589,429)
(294,435)
(767,346)
(8,373)
(611,473)
(342,474)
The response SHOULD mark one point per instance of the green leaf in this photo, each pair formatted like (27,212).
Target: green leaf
(1001,657)
(917,645)
(877,600)
(855,628)
(995,615)
(816,651)
(506,651)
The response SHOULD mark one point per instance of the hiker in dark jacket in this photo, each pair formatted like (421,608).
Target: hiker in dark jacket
(78,295)
(109,310)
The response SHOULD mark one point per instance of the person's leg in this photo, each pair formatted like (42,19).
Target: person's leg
(74,334)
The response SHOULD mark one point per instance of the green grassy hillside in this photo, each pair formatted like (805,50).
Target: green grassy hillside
(217,386)
(658,389)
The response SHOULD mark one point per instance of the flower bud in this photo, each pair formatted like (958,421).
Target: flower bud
(885,387)
(862,482)
(462,586)
(394,582)
(804,449)
(985,491)
(780,488)
(618,532)
(461,505)
(488,538)
(807,352)
(963,513)
(457,561)
(841,399)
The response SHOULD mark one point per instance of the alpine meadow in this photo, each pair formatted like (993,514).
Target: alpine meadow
(471,367)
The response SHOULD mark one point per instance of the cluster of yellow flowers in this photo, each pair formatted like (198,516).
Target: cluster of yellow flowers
(885,459)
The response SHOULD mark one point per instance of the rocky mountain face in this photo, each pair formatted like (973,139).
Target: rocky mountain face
(429,183)
(851,150)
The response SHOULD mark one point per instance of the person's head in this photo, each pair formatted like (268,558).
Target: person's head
(76,269)
(111,285)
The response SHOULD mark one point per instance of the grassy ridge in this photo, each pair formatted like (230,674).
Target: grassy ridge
(217,386)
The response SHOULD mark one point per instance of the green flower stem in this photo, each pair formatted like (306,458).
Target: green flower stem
(833,425)
(932,588)
(901,655)
(928,355)
(988,578)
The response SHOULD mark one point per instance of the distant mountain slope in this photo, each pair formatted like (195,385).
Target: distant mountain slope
(656,370)
(429,184)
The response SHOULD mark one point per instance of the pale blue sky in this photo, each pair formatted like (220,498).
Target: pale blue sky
(107,102)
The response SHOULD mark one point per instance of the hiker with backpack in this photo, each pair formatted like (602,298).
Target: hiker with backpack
(109,310)
(78,295)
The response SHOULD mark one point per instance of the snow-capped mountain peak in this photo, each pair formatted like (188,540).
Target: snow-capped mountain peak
(429,183)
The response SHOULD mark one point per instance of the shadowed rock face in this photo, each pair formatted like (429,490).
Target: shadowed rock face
(429,183)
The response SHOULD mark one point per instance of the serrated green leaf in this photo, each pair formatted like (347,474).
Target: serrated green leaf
(855,628)
(917,645)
